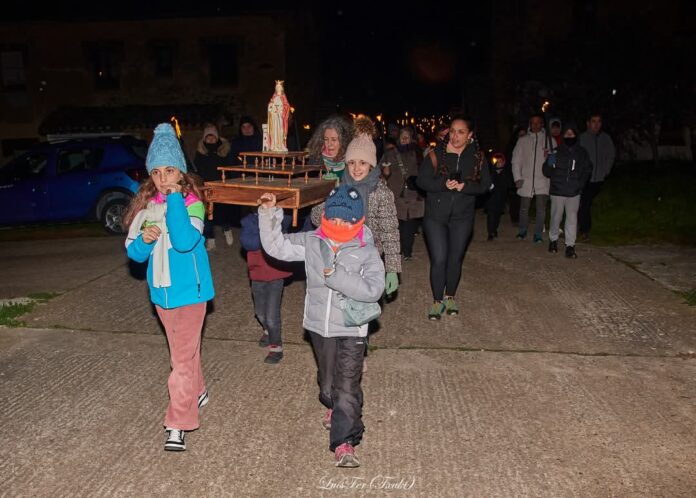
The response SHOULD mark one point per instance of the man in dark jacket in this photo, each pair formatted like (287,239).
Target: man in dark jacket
(602,153)
(568,169)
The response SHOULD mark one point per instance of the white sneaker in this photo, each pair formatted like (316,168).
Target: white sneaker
(209,244)
(203,399)
(175,440)
(229,237)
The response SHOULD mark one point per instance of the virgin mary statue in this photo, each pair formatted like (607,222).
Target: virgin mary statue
(278,113)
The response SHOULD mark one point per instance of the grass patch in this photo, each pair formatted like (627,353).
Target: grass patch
(641,203)
(52,231)
(689,297)
(10,312)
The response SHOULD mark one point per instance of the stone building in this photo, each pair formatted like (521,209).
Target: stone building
(72,77)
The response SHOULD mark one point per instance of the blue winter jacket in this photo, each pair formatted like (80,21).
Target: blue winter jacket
(192,281)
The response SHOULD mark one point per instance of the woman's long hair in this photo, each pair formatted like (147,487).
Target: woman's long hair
(345,133)
(190,184)
(441,150)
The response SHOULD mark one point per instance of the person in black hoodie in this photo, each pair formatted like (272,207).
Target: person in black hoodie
(568,168)
(452,176)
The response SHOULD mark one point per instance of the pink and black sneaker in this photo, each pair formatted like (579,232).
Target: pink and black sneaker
(345,456)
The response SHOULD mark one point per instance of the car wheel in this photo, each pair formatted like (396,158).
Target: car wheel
(112,216)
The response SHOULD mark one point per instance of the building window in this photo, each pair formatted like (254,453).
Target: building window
(222,64)
(162,55)
(12,69)
(105,64)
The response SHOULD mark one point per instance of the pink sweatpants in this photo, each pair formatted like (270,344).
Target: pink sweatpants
(183,326)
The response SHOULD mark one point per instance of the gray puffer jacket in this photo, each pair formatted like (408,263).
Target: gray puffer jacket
(359,273)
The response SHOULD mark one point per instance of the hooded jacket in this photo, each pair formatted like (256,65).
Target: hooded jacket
(191,279)
(527,160)
(602,154)
(207,161)
(359,273)
(571,169)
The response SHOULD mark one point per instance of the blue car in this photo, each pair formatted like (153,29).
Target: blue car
(92,178)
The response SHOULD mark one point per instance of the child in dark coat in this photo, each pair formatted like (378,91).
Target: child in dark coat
(267,281)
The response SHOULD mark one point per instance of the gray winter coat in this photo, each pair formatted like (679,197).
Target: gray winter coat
(359,273)
(602,153)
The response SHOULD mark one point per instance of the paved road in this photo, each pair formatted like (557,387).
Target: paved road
(561,378)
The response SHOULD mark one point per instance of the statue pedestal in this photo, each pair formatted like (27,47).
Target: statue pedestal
(295,183)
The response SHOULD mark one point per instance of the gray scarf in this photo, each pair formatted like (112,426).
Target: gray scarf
(365,186)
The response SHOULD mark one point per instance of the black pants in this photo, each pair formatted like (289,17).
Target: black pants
(407,234)
(267,299)
(514,203)
(447,243)
(340,361)
(495,204)
(590,191)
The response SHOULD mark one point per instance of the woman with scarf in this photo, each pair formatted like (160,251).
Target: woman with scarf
(378,200)
(400,167)
(327,146)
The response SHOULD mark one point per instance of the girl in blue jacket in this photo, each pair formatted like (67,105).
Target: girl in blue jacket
(165,222)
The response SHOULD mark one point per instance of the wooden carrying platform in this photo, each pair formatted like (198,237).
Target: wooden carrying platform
(284,174)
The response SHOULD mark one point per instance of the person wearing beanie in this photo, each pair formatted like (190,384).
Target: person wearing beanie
(452,176)
(327,147)
(165,220)
(400,167)
(568,169)
(249,139)
(378,200)
(213,151)
(341,263)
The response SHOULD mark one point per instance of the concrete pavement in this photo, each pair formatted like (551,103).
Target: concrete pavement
(560,378)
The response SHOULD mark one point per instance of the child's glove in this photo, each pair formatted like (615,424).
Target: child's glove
(391,282)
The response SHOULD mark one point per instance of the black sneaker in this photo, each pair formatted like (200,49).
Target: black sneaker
(553,246)
(275,354)
(264,341)
(570,252)
(203,399)
(175,440)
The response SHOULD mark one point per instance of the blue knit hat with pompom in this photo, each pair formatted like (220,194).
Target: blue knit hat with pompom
(165,150)
(344,202)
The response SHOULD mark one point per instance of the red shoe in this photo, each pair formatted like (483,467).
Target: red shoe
(326,421)
(345,456)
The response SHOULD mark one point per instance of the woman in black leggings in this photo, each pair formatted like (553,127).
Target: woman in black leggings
(452,175)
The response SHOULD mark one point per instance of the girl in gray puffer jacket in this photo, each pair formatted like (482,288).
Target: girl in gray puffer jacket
(354,270)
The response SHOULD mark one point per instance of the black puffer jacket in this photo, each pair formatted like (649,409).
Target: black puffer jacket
(570,172)
(442,203)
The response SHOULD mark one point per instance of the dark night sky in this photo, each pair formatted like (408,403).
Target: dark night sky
(374,57)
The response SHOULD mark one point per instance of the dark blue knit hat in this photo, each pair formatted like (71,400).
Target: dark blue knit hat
(165,150)
(344,202)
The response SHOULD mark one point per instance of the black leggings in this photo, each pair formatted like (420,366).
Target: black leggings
(447,242)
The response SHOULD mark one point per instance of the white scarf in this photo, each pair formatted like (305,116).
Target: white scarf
(154,214)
